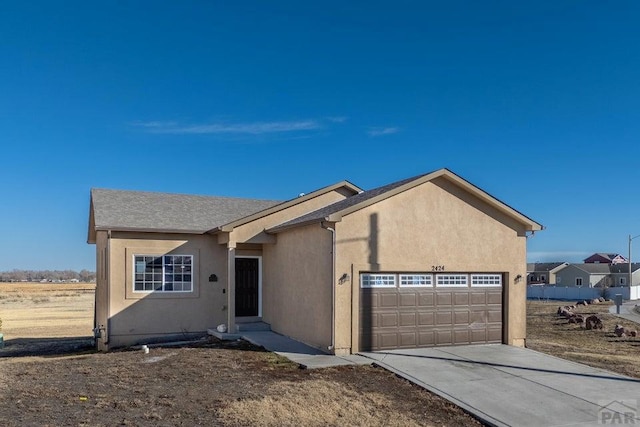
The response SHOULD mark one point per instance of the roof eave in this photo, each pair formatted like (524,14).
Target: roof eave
(285,205)
(149,230)
(530,225)
(279,228)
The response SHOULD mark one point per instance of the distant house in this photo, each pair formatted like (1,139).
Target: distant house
(593,275)
(604,258)
(543,273)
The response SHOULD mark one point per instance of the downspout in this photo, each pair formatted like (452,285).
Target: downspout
(333,289)
(103,330)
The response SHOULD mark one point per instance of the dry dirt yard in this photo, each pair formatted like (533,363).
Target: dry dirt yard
(551,334)
(65,382)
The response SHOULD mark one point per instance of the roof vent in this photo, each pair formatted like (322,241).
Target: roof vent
(301,194)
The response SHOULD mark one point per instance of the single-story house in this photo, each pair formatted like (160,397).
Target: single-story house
(426,261)
(596,275)
(543,273)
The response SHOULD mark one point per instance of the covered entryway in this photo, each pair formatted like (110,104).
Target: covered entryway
(400,310)
(247,287)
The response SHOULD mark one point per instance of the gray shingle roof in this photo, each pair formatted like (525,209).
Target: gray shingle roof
(542,266)
(321,214)
(366,198)
(149,211)
(624,268)
(602,268)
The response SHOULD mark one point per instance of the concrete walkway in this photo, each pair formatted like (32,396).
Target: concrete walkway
(297,352)
(510,386)
(627,311)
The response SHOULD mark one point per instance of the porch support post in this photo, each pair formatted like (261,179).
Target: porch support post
(231,288)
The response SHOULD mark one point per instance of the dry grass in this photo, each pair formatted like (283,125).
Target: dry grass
(551,334)
(315,402)
(46,310)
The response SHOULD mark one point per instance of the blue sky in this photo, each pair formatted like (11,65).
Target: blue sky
(537,103)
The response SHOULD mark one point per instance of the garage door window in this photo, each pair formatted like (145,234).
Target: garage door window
(410,280)
(480,280)
(378,280)
(452,280)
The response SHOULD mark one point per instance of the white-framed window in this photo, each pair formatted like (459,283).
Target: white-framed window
(374,280)
(578,281)
(452,280)
(408,280)
(480,280)
(542,278)
(164,273)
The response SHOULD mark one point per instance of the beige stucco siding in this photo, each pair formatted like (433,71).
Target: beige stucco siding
(433,224)
(297,285)
(137,316)
(253,231)
(101,318)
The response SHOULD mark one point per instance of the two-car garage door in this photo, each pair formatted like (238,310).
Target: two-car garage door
(399,310)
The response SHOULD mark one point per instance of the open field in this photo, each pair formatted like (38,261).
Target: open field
(551,334)
(211,383)
(54,310)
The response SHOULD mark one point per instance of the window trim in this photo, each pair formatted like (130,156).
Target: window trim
(579,279)
(428,277)
(487,276)
(378,285)
(164,275)
(452,285)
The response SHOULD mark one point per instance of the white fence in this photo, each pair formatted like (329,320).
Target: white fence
(575,293)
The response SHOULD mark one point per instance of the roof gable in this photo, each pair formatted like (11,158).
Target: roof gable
(335,212)
(604,268)
(545,266)
(120,210)
(344,186)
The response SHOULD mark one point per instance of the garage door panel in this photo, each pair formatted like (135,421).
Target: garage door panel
(461,336)
(408,300)
(426,339)
(444,298)
(478,317)
(388,300)
(478,298)
(426,299)
(494,316)
(494,297)
(426,319)
(461,317)
(409,317)
(478,335)
(407,339)
(494,335)
(444,318)
(461,298)
(388,340)
(444,337)
(388,320)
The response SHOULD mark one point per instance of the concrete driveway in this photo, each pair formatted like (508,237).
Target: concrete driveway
(510,386)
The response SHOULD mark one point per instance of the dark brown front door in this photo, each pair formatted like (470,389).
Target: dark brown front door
(247,287)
